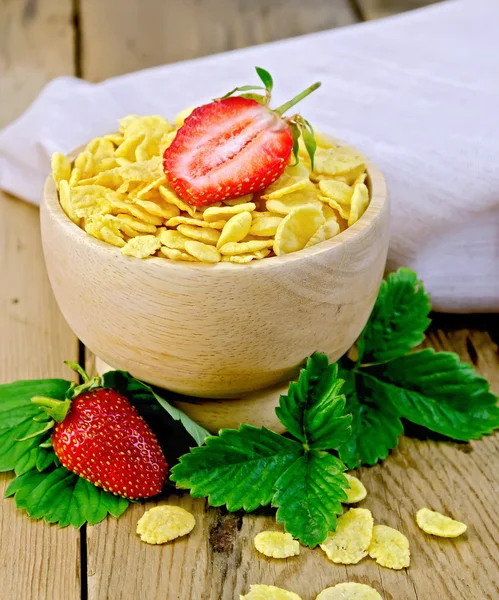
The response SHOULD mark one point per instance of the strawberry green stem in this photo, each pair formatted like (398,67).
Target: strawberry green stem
(287,105)
(57,409)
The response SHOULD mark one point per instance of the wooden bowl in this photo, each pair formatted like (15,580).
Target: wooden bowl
(217,331)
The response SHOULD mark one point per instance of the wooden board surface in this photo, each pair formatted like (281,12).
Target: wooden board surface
(37,562)
(217,561)
(219,557)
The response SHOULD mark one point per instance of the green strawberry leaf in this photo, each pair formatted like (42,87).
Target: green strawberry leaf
(16,423)
(251,467)
(309,496)
(238,468)
(62,497)
(242,88)
(437,391)
(257,97)
(398,320)
(307,132)
(376,425)
(144,398)
(312,411)
(295,133)
(266,78)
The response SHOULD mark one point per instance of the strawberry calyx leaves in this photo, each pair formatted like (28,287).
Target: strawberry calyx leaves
(299,126)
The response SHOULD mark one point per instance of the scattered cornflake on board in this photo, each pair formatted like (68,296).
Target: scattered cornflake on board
(357,491)
(435,523)
(349,543)
(164,523)
(389,547)
(276,544)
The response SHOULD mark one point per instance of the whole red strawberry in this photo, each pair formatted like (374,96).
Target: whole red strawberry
(235,145)
(101,437)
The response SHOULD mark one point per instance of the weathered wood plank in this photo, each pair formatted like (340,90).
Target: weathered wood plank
(119,37)
(376,9)
(36,44)
(37,562)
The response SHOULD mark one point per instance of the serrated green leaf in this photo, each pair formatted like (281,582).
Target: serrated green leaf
(16,422)
(313,409)
(398,320)
(266,78)
(376,425)
(143,396)
(237,468)
(309,496)
(437,391)
(62,497)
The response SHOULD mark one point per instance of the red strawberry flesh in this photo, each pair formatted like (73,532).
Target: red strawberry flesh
(105,440)
(227,149)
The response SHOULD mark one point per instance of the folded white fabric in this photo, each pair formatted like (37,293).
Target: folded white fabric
(418,93)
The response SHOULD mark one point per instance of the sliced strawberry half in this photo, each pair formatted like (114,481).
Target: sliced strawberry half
(231,147)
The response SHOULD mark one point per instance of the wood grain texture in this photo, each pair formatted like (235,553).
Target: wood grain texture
(217,331)
(218,560)
(36,44)
(37,561)
(153,32)
(376,9)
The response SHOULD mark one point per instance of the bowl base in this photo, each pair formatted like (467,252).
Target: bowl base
(254,408)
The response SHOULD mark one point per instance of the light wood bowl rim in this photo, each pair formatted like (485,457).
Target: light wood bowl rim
(378,193)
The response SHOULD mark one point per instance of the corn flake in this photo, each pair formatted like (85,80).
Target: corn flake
(276,544)
(173,239)
(234,248)
(435,523)
(65,199)
(61,169)
(325,232)
(242,259)
(217,213)
(264,226)
(74,177)
(349,591)
(301,184)
(236,229)
(297,228)
(200,234)
(164,523)
(137,224)
(288,203)
(196,222)
(360,200)
(356,492)
(389,547)
(203,252)
(268,592)
(142,246)
(336,190)
(349,543)
(175,254)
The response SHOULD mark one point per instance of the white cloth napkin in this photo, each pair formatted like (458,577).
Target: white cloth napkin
(418,93)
